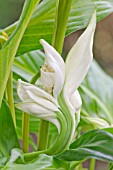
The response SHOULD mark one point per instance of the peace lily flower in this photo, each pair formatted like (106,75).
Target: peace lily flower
(58,98)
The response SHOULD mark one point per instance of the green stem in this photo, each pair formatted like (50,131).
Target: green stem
(44,126)
(62,9)
(10,97)
(43,135)
(25,120)
(92,164)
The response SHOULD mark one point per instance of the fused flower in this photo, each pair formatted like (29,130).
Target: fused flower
(59,81)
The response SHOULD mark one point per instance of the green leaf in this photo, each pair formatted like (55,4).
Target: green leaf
(8,52)
(96,144)
(42,162)
(110,130)
(97,99)
(42,22)
(8,137)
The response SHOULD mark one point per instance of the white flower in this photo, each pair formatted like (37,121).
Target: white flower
(77,64)
(37,102)
(59,78)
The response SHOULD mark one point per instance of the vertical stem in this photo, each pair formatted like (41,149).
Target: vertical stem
(62,13)
(92,164)
(25,127)
(25,122)
(10,97)
(43,135)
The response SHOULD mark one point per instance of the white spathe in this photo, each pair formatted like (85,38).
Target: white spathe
(57,76)
(77,64)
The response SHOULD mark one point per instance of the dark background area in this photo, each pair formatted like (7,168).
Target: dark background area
(103,45)
(9,11)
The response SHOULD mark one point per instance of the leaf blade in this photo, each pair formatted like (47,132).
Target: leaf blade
(7,53)
(42,22)
(8,137)
(93,144)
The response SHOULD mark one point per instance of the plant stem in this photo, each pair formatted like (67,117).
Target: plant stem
(62,14)
(10,97)
(92,164)
(25,122)
(43,135)
(62,9)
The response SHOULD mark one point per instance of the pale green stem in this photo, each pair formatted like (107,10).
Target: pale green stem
(62,13)
(25,127)
(10,97)
(62,9)
(44,126)
(25,122)
(43,135)
(92,164)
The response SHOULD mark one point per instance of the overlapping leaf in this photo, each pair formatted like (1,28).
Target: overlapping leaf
(8,136)
(42,22)
(8,52)
(93,144)
(42,162)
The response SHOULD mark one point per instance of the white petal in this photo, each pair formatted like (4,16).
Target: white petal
(79,58)
(55,61)
(59,81)
(52,55)
(47,79)
(78,61)
(97,122)
(24,87)
(77,116)
(74,103)
(42,102)
(76,100)
(39,111)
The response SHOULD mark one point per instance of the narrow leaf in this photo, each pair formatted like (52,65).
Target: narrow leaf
(8,137)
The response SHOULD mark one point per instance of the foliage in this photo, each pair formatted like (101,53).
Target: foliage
(36,22)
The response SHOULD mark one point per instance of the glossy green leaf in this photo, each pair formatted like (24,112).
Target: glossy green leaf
(93,144)
(8,137)
(8,52)
(42,162)
(42,22)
